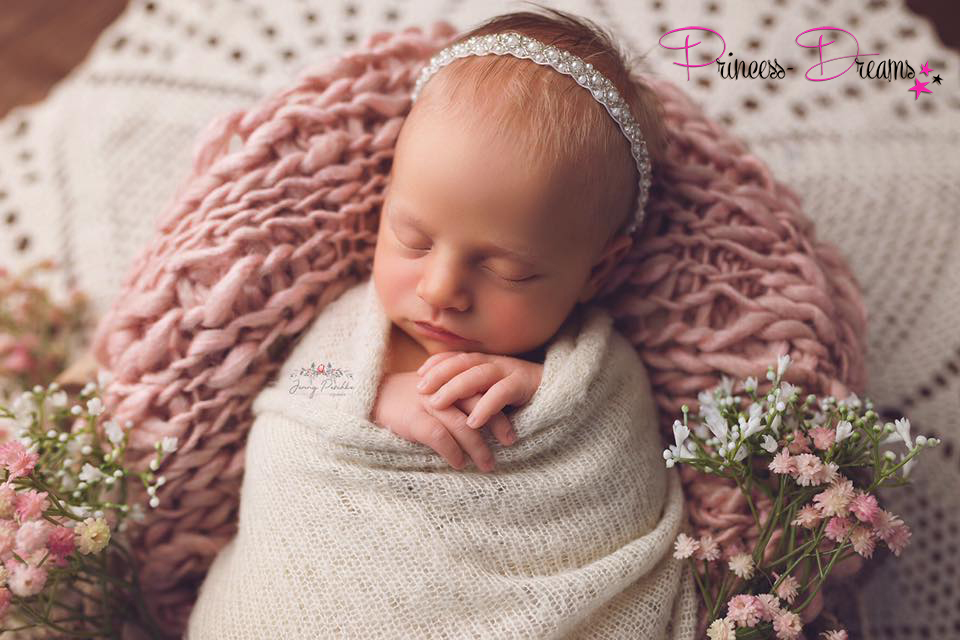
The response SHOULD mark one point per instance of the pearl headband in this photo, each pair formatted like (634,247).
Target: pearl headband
(586,76)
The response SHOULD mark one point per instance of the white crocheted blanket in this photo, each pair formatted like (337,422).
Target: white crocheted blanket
(347,530)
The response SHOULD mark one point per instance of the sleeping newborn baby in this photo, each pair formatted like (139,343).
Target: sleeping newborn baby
(513,194)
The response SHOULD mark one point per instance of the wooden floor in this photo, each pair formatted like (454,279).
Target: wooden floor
(41,40)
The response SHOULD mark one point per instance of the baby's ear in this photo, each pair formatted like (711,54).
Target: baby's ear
(604,265)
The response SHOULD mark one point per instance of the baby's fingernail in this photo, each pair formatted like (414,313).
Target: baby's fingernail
(421,384)
(472,421)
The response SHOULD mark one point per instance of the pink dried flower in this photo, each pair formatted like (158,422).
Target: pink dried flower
(884,523)
(807,517)
(864,506)
(5,597)
(768,606)
(742,565)
(862,540)
(788,589)
(783,463)
(31,504)
(14,457)
(835,634)
(721,629)
(823,437)
(10,451)
(898,538)
(26,580)
(808,469)
(32,536)
(742,610)
(837,528)
(833,501)
(61,543)
(684,546)
(800,443)
(787,625)
(829,473)
(709,549)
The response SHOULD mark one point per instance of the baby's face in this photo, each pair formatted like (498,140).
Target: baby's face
(475,241)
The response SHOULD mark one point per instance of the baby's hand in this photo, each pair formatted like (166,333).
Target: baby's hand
(458,374)
(405,413)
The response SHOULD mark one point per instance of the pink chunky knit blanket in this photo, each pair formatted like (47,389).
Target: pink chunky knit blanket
(728,275)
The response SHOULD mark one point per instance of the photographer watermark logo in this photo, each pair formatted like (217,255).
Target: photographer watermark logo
(324,378)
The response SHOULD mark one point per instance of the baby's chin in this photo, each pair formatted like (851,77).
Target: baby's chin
(433,347)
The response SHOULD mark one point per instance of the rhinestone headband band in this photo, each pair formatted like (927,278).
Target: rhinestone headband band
(602,90)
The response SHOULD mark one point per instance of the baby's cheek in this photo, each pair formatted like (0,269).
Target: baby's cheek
(396,280)
(518,327)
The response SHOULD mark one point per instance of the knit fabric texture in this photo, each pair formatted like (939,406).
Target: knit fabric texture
(278,218)
(349,531)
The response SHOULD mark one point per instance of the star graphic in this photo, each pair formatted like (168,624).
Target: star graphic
(919,87)
(936,79)
(925,70)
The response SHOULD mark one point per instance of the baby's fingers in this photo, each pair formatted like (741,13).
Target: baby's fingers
(435,435)
(504,392)
(434,359)
(502,429)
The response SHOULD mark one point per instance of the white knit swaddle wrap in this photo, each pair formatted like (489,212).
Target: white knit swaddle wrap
(347,530)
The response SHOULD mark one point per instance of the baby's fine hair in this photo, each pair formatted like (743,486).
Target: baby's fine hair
(552,117)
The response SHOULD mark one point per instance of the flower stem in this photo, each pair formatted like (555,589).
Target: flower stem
(833,560)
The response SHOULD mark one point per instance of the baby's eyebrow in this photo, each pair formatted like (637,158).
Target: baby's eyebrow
(417,223)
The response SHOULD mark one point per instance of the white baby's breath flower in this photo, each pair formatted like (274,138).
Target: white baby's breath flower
(81,511)
(22,408)
(769,444)
(706,399)
(137,512)
(750,384)
(701,430)
(59,399)
(788,391)
(740,454)
(775,425)
(783,363)
(168,444)
(677,451)
(853,401)
(113,431)
(716,423)
(754,423)
(90,473)
(844,429)
(726,385)
(902,426)
(94,406)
